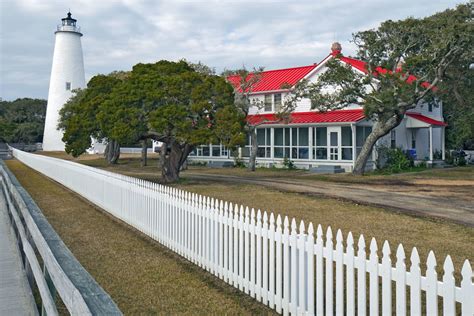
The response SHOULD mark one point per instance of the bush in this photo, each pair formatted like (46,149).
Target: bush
(288,163)
(239,163)
(456,157)
(393,160)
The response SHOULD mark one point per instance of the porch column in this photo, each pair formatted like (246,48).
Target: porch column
(272,141)
(310,143)
(431,143)
(443,150)
(354,149)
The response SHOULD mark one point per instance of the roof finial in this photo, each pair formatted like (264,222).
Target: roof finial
(336,48)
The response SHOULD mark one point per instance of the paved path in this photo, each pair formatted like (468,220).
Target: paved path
(15,294)
(431,206)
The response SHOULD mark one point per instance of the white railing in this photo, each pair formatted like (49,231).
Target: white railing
(49,265)
(270,258)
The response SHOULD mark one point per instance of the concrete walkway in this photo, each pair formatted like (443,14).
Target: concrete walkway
(430,206)
(15,293)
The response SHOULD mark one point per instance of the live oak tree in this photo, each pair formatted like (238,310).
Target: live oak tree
(166,101)
(407,63)
(190,108)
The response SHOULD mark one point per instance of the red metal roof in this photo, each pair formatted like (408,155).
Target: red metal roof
(335,116)
(362,66)
(274,79)
(426,119)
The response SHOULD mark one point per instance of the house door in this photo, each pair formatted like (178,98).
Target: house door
(334,141)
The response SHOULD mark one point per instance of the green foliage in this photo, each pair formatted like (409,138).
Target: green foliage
(22,120)
(238,162)
(288,163)
(166,101)
(82,117)
(393,160)
(456,158)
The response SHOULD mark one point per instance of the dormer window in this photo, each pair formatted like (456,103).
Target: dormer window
(68,86)
(268,103)
(277,101)
(272,102)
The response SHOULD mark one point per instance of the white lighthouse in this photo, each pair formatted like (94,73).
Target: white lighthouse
(67,74)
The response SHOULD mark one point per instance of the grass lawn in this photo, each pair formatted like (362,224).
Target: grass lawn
(426,234)
(141,276)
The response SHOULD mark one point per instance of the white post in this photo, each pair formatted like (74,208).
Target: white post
(443,150)
(431,142)
(354,150)
(272,141)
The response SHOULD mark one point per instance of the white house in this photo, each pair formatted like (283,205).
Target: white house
(325,140)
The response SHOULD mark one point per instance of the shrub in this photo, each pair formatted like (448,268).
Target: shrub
(238,162)
(288,163)
(393,160)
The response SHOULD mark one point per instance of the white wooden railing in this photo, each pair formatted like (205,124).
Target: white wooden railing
(49,265)
(292,269)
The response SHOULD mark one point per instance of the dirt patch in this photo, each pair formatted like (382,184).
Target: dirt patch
(443,182)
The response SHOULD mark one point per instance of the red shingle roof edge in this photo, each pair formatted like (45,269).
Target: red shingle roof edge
(426,119)
(335,116)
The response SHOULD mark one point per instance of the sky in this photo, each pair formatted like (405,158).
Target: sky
(223,34)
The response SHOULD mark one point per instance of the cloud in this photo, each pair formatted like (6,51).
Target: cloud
(220,33)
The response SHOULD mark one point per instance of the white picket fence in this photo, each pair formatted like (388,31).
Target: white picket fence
(270,258)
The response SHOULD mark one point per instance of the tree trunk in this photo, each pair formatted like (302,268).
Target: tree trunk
(174,161)
(380,129)
(144,158)
(253,151)
(161,160)
(112,152)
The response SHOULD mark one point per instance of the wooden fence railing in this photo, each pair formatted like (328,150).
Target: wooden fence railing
(49,265)
(289,267)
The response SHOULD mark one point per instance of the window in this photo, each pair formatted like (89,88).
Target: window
(281,142)
(277,101)
(346,142)
(393,139)
(291,143)
(413,139)
(320,143)
(68,86)
(216,150)
(361,135)
(430,106)
(212,150)
(263,143)
(203,151)
(268,102)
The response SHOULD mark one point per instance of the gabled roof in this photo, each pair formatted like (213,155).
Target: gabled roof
(272,80)
(335,116)
(362,66)
(425,119)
